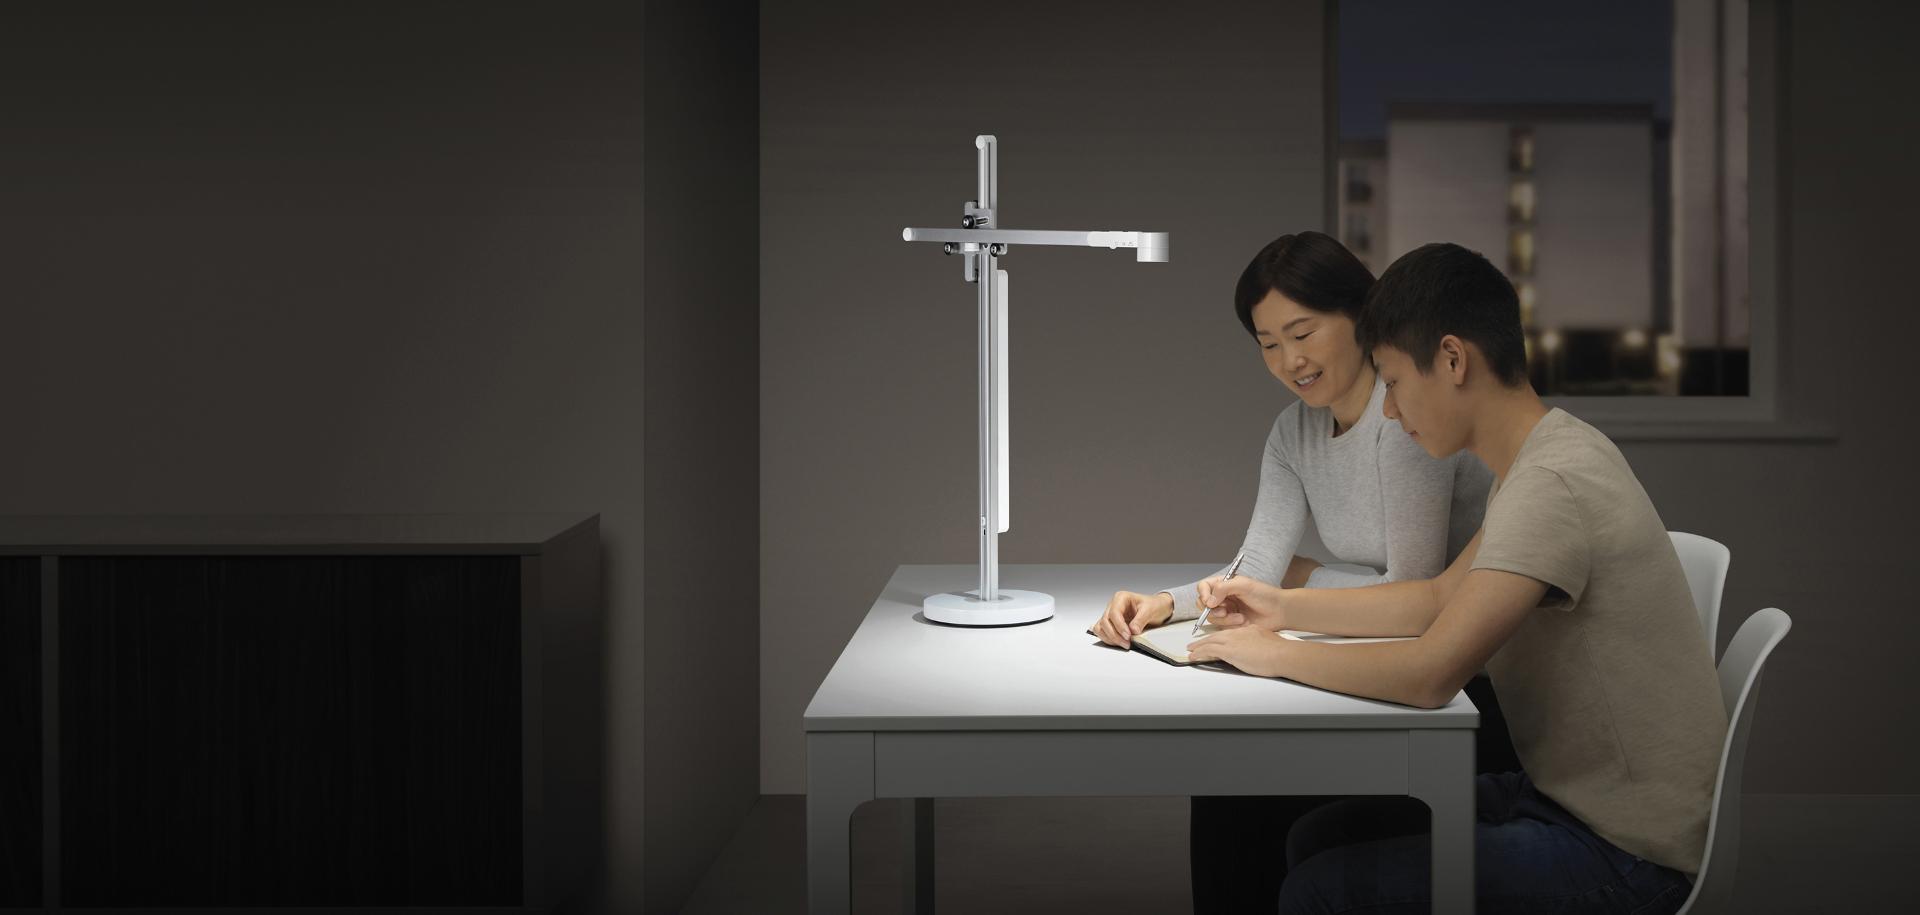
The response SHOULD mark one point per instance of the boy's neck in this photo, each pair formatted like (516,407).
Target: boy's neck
(1502,425)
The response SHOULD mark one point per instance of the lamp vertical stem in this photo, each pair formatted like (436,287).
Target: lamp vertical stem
(989,431)
(988,186)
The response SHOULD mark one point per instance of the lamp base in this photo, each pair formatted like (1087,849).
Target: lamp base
(967,609)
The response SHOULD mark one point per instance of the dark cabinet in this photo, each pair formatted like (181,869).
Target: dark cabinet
(305,712)
(20,729)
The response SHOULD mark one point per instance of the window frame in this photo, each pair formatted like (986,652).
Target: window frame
(1758,414)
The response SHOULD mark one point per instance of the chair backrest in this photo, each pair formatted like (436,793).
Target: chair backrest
(1706,564)
(1739,689)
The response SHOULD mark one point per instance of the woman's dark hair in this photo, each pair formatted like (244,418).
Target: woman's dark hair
(1440,289)
(1308,267)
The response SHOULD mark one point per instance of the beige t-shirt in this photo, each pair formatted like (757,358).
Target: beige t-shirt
(1608,686)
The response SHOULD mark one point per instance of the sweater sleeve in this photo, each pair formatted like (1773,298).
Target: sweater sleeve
(1416,499)
(1279,521)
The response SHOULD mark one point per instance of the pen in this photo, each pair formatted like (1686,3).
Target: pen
(1202,621)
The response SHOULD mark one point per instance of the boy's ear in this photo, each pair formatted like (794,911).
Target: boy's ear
(1452,361)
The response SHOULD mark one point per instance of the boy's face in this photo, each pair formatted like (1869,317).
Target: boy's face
(1426,404)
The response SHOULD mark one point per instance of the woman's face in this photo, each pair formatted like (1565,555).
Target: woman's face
(1312,352)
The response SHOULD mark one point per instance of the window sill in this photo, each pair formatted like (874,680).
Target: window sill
(1722,431)
(1695,419)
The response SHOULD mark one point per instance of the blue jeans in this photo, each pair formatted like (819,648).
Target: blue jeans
(1531,856)
(1239,844)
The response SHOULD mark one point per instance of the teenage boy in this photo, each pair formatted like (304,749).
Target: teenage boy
(1570,597)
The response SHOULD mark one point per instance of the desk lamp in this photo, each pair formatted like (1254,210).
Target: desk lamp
(983,243)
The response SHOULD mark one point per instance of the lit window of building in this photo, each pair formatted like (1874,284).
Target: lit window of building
(1520,251)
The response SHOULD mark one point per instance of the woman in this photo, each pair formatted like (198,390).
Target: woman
(1377,500)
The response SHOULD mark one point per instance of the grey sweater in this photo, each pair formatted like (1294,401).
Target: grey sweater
(1375,496)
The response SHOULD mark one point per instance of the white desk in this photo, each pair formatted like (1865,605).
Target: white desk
(914,709)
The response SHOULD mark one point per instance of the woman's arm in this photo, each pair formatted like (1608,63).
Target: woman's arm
(1416,500)
(1279,521)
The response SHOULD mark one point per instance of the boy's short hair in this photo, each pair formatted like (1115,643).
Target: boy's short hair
(1440,289)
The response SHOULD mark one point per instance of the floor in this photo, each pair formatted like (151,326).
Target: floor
(1799,853)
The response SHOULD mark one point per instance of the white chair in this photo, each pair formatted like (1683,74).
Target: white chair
(1739,688)
(1706,564)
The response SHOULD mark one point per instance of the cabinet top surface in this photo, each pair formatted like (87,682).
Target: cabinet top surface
(43,535)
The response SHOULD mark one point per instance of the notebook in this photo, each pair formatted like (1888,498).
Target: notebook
(1169,642)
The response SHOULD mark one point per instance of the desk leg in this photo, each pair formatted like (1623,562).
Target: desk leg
(839,779)
(917,881)
(1440,772)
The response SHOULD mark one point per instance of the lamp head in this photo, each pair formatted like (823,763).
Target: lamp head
(1153,248)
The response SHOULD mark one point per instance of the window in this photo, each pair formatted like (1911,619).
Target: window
(1598,154)
(1520,203)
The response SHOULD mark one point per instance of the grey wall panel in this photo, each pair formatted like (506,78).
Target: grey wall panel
(703,431)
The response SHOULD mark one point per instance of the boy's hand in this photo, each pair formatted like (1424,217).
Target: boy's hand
(1251,650)
(1243,602)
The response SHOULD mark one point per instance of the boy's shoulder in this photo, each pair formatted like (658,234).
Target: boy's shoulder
(1590,477)
(1573,450)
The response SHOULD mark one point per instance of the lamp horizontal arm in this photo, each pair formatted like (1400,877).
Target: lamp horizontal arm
(1151,246)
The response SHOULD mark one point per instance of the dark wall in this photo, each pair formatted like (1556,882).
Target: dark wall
(703,434)
(1823,529)
(333,258)
(1139,406)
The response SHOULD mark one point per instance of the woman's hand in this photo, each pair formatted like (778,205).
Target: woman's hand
(1244,602)
(1251,650)
(1129,614)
